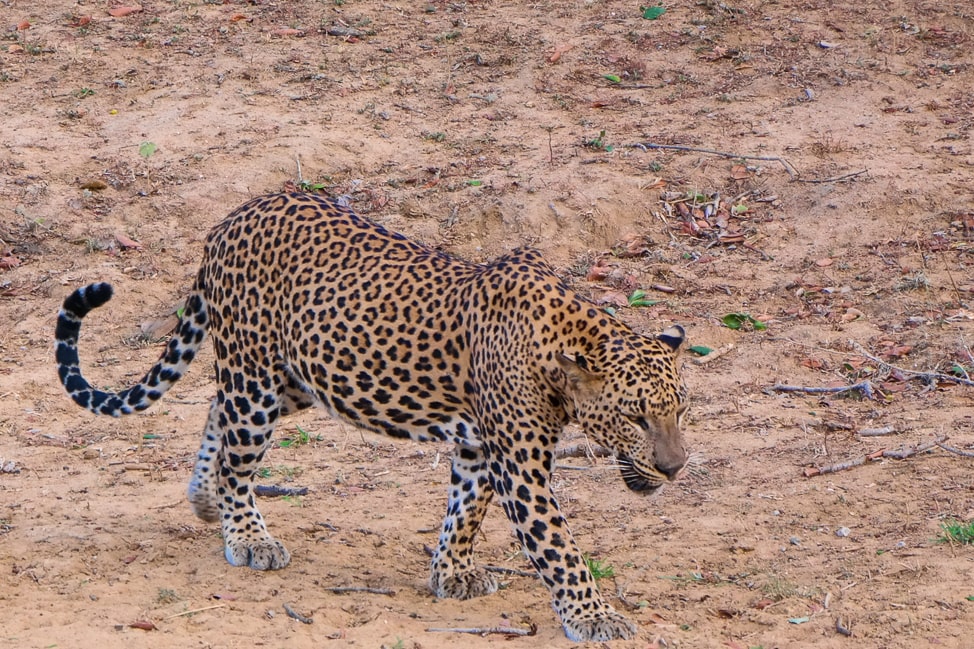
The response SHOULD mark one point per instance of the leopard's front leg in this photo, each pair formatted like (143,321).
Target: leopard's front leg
(525,493)
(452,570)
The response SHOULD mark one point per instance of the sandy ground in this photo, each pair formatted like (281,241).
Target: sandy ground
(478,127)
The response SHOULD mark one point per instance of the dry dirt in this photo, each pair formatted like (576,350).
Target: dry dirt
(478,127)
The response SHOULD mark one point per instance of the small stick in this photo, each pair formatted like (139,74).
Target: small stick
(833,179)
(955,450)
(902,454)
(866,387)
(764,256)
(503,630)
(297,616)
(714,355)
(360,589)
(841,628)
(927,376)
(725,154)
(273,491)
(876,432)
(195,610)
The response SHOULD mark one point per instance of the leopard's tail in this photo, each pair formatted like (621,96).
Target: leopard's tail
(170,367)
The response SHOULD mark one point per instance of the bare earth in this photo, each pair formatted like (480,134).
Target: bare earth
(477,127)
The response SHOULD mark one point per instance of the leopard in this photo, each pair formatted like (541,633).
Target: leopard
(308,303)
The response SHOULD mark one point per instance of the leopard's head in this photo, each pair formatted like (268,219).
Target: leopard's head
(629,397)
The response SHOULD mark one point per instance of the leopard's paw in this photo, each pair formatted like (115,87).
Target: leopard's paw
(268,554)
(600,627)
(475,582)
(203,500)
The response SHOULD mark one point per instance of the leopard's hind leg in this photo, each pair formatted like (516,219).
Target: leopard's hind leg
(206,473)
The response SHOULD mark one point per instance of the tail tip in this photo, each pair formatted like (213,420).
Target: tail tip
(97,294)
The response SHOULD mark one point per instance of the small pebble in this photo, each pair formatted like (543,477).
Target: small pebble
(843,532)
(795,540)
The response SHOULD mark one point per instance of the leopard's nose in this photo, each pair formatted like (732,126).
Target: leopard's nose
(670,470)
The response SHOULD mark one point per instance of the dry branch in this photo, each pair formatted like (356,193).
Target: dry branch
(897,454)
(502,630)
(291,613)
(360,589)
(928,377)
(714,355)
(866,387)
(876,432)
(724,154)
(273,491)
(834,179)
(955,450)
(195,610)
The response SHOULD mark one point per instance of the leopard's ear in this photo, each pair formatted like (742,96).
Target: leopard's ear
(673,336)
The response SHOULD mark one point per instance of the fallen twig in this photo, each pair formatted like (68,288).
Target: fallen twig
(842,628)
(724,154)
(195,610)
(866,387)
(291,613)
(955,450)
(273,491)
(833,179)
(714,355)
(929,377)
(876,432)
(502,630)
(898,454)
(360,589)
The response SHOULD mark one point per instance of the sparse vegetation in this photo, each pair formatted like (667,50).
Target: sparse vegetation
(599,569)
(954,531)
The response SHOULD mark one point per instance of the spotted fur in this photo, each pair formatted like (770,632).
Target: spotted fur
(309,303)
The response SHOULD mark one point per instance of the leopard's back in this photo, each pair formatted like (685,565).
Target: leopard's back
(376,324)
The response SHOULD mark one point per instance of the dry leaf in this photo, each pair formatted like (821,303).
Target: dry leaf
(614,298)
(22,25)
(852,314)
(94,185)
(145,625)
(739,172)
(121,12)
(822,263)
(9,262)
(598,272)
(238,17)
(814,363)
(898,351)
(561,49)
(287,32)
(15,49)
(126,242)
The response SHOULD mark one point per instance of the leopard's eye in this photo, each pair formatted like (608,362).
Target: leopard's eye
(639,421)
